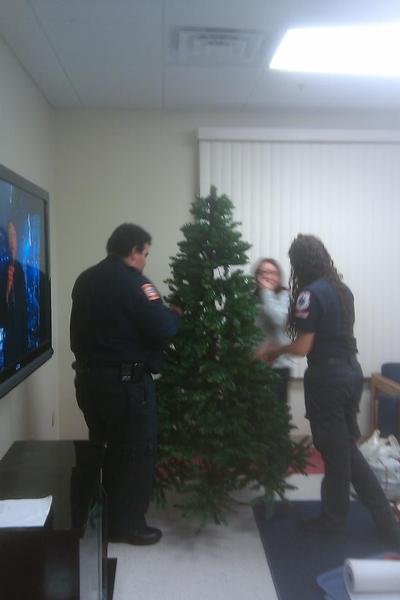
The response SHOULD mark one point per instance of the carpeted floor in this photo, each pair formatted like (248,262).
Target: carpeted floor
(295,559)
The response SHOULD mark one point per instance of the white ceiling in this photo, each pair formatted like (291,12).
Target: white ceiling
(155,54)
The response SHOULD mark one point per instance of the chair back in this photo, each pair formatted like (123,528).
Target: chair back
(391,371)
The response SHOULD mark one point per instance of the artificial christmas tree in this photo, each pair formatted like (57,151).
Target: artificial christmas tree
(221,427)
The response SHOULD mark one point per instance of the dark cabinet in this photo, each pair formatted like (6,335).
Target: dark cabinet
(66,559)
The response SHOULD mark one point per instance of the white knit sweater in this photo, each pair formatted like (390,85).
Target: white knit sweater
(272,318)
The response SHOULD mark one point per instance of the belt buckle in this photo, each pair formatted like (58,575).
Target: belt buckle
(132,372)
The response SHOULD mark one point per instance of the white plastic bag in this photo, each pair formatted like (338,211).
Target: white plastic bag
(383,456)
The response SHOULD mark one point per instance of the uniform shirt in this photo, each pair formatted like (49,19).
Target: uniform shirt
(318,311)
(118,317)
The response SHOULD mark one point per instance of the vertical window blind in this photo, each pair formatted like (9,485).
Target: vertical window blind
(345,191)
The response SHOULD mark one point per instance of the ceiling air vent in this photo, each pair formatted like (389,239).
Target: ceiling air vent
(213,47)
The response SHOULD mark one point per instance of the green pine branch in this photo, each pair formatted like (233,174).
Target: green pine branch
(221,426)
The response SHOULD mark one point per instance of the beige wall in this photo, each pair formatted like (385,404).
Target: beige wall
(111,168)
(142,167)
(102,168)
(26,146)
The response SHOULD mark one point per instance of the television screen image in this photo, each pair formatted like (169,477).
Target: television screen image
(25,301)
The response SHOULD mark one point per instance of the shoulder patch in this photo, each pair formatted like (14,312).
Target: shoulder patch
(150,291)
(303,305)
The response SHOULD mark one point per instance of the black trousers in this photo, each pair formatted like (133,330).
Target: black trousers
(121,417)
(332,397)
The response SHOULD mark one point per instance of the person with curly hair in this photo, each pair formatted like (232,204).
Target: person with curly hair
(321,321)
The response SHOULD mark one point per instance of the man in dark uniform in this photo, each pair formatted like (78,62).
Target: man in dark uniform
(119,325)
(321,321)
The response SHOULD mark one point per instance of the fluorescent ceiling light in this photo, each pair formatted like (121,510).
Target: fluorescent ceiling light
(358,50)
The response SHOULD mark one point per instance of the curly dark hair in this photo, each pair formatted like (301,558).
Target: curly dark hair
(310,260)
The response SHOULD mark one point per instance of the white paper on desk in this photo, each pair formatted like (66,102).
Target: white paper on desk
(25,512)
(372,579)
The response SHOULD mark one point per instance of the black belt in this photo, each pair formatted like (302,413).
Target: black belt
(133,372)
(334,360)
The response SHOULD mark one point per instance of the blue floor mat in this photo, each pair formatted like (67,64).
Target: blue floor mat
(296,560)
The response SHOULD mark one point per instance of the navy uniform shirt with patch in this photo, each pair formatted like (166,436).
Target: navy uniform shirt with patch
(318,311)
(118,316)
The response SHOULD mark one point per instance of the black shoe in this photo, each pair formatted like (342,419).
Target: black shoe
(138,537)
(318,526)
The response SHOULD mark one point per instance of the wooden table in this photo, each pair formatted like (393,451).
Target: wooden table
(66,559)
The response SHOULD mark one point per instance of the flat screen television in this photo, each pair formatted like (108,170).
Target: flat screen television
(25,299)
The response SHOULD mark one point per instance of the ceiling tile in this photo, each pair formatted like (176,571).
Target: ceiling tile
(119,45)
(330,92)
(110,88)
(15,9)
(99,11)
(100,52)
(208,87)
(31,48)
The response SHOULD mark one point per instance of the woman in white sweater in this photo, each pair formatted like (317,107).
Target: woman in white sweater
(272,315)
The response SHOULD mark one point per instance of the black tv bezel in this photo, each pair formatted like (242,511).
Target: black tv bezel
(38,357)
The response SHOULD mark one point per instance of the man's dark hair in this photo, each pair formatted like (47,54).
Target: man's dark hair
(126,237)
